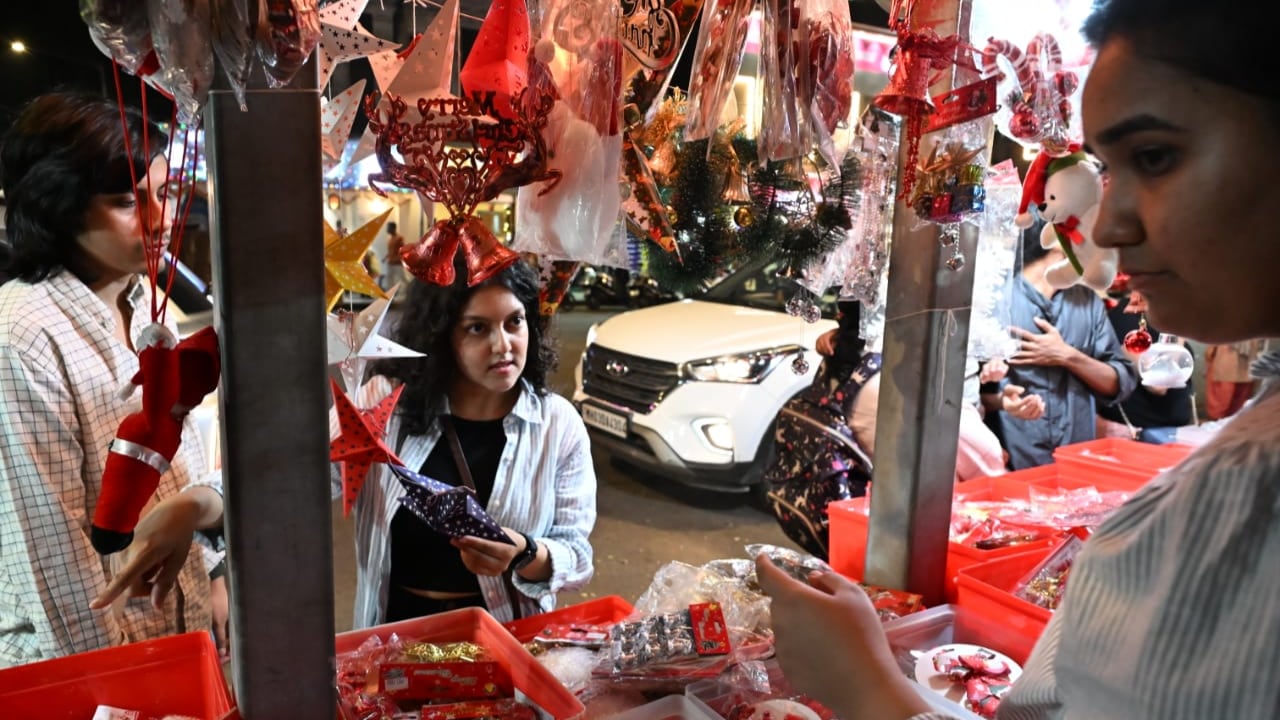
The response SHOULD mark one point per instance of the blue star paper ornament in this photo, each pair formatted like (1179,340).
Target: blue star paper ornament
(448,509)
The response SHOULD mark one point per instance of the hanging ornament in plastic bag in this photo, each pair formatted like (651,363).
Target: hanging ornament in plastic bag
(1038,105)
(233,44)
(654,35)
(180,33)
(122,32)
(721,42)
(291,33)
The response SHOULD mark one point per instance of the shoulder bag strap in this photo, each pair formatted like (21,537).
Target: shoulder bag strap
(464,471)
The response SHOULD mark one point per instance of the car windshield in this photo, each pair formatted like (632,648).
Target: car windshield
(759,285)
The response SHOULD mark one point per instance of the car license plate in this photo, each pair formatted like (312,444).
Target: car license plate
(606,420)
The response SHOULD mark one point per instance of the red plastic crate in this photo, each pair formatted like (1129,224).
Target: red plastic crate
(986,590)
(175,675)
(1118,463)
(600,611)
(849,521)
(475,625)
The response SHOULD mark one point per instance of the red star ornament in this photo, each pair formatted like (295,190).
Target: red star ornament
(499,59)
(359,443)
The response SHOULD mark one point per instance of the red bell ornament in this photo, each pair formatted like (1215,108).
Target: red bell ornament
(485,256)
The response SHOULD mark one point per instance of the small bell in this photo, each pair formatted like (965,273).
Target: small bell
(955,263)
(485,256)
(431,259)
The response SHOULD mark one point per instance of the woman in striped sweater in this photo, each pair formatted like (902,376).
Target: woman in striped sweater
(1173,609)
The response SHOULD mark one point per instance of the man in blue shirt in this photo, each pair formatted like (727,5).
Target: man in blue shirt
(1069,358)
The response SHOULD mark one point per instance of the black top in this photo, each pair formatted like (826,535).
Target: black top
(1145,408)
(423,559)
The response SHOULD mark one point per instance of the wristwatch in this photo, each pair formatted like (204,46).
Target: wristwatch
(525,556)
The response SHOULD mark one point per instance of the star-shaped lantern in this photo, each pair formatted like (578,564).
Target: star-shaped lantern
(343,38)
(447,509)
(499,59)
(336,118)
(355,338)
(343,269)
(426,69)
(360,440)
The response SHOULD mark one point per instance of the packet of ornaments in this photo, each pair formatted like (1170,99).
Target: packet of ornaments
(402,679)
(949,186)
(890,604)
(691,622)
(575,216)
(1045,585)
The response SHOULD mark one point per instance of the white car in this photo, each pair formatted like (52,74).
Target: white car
(689,390)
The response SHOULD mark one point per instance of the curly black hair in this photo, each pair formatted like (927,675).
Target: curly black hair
(1212,40)
(430,315)
(63,149)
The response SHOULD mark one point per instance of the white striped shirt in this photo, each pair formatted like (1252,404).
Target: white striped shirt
(545,486)
(1173,607)
(61,372)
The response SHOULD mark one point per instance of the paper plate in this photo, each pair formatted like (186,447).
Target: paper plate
(928,676)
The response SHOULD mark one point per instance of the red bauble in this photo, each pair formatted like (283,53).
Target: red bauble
(1137,341)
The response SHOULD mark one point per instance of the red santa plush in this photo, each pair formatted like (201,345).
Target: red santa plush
(174,377)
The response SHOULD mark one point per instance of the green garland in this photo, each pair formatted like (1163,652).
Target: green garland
(779,222)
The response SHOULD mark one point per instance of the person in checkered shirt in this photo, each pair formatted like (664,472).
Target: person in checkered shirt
(68,322)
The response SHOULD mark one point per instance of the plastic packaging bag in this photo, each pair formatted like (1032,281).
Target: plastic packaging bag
(287,37)
(826,63)
(997,250)
(576,216)
(233,43)
(122,32)
(784,132)
(721,42)
(180,32)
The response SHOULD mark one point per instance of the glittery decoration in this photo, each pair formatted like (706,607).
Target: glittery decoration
(743,217)
(955,263)
(449,510)
(360,440)
(1138,341)
(445,652)
(343,266)
(873,224)
(800,365)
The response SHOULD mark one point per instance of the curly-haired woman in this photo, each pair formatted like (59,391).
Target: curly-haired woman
(483,378)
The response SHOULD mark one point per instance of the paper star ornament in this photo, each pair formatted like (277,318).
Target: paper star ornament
(427,67)
(342,38)
(343,269)
(355,338)
(360,440)
(447,509)
(499,59)
(336,118)
(386,65)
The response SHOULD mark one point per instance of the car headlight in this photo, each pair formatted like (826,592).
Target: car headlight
(749,367)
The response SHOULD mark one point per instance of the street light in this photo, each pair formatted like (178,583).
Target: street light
(18,46)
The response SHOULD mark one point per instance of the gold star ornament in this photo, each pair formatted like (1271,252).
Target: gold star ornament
(343,269)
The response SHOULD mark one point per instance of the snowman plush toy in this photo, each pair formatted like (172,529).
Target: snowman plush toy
(1065,192)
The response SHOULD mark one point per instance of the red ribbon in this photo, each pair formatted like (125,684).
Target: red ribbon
(1070,229)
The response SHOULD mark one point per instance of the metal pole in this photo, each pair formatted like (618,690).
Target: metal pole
(266,215)
(921,385)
